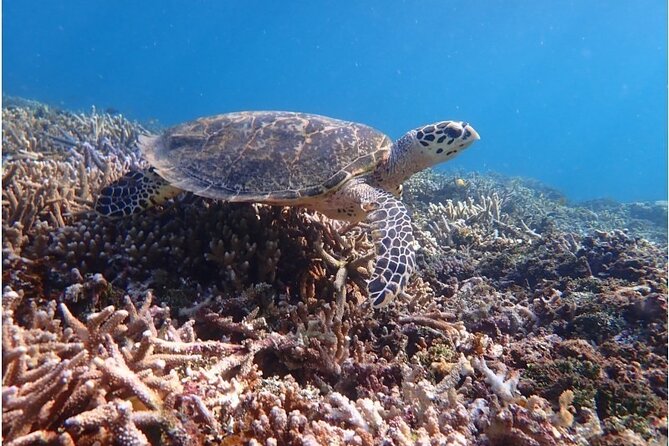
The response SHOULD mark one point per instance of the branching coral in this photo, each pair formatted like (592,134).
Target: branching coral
(482,219)
(82,376)
(54,161)
(519,328)
(505,389)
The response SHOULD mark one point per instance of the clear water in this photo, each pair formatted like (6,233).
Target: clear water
(573,93)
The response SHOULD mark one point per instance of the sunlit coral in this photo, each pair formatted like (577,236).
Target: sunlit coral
(530,321)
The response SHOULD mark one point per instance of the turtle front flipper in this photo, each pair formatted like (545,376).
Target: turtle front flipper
(133,193)
(393,237)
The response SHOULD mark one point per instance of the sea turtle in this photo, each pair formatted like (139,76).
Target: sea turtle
(345,170)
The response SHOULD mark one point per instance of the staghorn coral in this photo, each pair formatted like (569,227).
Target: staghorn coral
(84,376)
(530,204)
(53,162)
(484,221)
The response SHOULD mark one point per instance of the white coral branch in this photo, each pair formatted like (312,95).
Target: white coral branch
(506,390)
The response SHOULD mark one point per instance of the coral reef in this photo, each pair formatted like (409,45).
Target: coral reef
(525,203)
(120,371)
(531,321)
(54,161)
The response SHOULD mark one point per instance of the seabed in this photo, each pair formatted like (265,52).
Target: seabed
(531,320)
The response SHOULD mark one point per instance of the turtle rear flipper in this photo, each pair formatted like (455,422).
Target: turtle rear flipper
(393,237)
(133,193)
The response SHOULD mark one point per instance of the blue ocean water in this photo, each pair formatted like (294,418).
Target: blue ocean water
(573,93)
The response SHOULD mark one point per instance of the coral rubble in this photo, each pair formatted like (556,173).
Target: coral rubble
(531,321)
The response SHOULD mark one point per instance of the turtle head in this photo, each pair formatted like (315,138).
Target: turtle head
(424,147)
(435,143)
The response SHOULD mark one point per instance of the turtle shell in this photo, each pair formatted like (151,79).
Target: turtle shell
(268,156)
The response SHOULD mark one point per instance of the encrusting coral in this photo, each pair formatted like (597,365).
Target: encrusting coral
(530,322)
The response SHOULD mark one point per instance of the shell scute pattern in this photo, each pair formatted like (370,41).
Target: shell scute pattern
(266,156)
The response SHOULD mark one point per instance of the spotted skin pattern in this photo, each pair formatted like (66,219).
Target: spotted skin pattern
(447,133)
(133,193)
(345,170)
